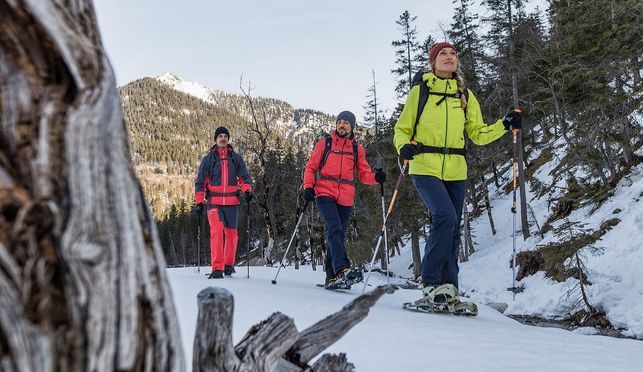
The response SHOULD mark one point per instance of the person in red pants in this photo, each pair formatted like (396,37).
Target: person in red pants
(222,177)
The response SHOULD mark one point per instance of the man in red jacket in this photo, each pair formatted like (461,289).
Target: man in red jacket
(331,186)
(223,176)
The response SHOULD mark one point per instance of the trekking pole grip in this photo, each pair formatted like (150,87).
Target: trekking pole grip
(516,131)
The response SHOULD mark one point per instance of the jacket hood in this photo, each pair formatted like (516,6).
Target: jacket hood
(437,84)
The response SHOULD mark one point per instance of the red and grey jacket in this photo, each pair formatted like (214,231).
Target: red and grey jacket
(222,176)
(335,178)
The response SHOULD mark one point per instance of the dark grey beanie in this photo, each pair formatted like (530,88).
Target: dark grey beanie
(221,130)
(348,116)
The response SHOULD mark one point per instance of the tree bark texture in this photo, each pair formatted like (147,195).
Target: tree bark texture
(487,204)
(82,279)
(274,344)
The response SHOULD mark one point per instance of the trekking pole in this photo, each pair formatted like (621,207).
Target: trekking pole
(388,213)
(281,263)
(515,132)
(388,280)
(198,245)
(248,241)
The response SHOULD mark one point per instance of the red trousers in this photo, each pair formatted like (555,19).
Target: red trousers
(223,235)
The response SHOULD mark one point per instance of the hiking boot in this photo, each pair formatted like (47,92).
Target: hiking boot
(216,274)
(329,278)
(228,270)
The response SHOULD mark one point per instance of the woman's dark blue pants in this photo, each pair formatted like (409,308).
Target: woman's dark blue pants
(444,199)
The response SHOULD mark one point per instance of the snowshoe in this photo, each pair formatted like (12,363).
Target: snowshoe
(460,308)
(427,307)
(338,284)
(355,275)
(445,294)
(345,279)
(465,308)
(442,299)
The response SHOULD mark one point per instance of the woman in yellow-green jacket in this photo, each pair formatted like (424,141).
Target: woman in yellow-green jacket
(437,162)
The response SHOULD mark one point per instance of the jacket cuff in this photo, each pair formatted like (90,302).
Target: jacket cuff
(199,197)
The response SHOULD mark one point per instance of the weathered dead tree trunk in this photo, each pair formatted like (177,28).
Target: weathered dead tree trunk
(274,344)
(82,279)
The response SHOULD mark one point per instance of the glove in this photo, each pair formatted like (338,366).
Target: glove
(249,196)
(408,151)
(198,209)
(380,176)
(309,194)
(512,120)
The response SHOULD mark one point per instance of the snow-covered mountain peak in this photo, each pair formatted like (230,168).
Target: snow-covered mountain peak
(304,124)
(189,87)
(169,77)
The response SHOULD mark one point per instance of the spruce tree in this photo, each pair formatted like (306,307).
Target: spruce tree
(464,35)
(406,48)
(374,116)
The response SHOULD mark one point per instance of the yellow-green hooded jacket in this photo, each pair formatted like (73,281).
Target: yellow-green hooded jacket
(443,125)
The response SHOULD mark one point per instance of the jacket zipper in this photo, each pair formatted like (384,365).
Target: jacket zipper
(224,173)
(341,162)
(446,128)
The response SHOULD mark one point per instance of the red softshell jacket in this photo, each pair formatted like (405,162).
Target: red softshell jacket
(336,176)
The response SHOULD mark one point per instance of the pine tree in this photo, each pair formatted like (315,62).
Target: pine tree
(463,34)
(406,50)
(374,116)
(422,56)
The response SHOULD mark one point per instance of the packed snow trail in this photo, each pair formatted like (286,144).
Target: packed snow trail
(392,339)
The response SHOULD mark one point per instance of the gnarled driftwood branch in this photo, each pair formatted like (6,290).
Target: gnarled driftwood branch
(274,344)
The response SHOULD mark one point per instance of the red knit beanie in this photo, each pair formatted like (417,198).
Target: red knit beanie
(436,48)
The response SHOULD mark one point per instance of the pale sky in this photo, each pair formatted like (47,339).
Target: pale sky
(311,54)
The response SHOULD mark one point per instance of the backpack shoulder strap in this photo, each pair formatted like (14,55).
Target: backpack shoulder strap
(424,98)
(466,95)
(233,158)
(329,144)
(327,148)
(355,152)
(213,159)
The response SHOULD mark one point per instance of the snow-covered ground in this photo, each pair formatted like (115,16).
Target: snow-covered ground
(616,275)
(392,339)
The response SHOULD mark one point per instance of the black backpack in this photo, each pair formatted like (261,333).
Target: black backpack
(425,92)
